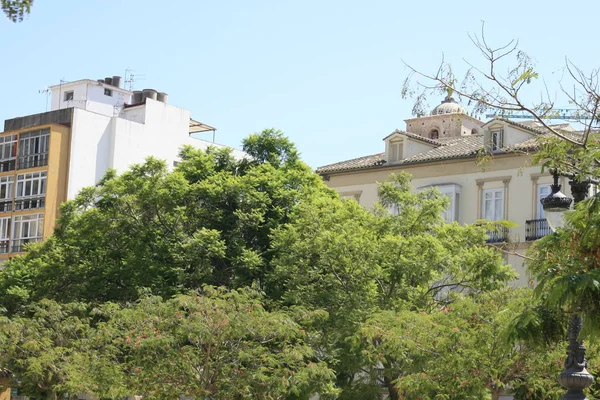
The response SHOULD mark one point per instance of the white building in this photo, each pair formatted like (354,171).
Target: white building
(115,128)
(47,158)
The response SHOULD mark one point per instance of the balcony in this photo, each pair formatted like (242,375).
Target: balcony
(498,235)
(7,165)
(29,203)
(536,229)
(5,206)
(19,244)
(32,161)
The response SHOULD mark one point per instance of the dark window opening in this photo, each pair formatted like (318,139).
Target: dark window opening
(434,134)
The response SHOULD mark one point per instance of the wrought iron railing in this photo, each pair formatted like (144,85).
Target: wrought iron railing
(497,235)
(7,165)
(32,160)
(29,203)
(5,206)
(19,244)
(4,247)
(536,229)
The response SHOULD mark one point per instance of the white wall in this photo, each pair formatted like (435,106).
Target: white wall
(100,142)
(91,147)
(89,95)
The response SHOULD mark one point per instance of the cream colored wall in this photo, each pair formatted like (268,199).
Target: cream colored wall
(412,147)
(514,173)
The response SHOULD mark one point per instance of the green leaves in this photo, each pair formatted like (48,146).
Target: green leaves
(15,10)
(216,343)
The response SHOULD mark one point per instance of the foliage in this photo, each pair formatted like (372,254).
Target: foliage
(566,265)
(15,10)
(461,351)
(209,222)
(325,267)
(216,344)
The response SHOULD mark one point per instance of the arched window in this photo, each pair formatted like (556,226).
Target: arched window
(434,134)
(474,131)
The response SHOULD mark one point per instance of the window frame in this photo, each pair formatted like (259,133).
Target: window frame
(8,144)
(18,241)
(34,147)
(502,191)
(69,95)
(108,92)
(496,140)
(398,145)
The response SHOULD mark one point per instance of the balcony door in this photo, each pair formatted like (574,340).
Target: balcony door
(542,228)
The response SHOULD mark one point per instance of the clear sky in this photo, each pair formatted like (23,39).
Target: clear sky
(328,73)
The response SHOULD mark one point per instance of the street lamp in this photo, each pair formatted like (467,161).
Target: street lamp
(575,378)
(555,205)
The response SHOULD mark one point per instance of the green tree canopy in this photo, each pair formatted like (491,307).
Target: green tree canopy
(15,10)
(266,223)
(216,344)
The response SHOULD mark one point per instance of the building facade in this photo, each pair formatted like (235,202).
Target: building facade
(485,169)
(47,158)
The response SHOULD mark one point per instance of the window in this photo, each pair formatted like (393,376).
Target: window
(8,152)
(395,151)
(493,204)
(26,229)
(497,140)
(108,92)
(543,191)
(4,235)
(452,191)
(69,96)
(434,134)
(31,189)
(6,192)
(33,149)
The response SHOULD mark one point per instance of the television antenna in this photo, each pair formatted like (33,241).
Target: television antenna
(131,78)
(47,93)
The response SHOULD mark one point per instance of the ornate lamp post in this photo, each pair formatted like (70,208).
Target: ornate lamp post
(575,378)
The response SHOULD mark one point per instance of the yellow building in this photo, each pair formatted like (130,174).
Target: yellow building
(47,158)
(486,170)
(33,178)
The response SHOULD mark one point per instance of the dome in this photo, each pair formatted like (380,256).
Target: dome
(448,106)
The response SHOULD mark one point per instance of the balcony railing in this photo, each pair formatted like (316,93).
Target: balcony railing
(536,229)
(5,206)
(33,161)
(498,235)
(4,247)
(19,244)
(7,165)
(29,203)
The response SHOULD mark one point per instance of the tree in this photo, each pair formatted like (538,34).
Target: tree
(268,223)
(209,222)
(352,263)
(15,10)
(486,86)
(463,351)
(216,344)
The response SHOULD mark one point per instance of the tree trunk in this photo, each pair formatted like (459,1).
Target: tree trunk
(393,392)
(496,394)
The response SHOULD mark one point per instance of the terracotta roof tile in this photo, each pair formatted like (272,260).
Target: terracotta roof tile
(374,160)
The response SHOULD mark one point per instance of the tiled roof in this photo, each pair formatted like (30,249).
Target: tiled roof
(457,148)
(415,137)
(374,160)
(448,148)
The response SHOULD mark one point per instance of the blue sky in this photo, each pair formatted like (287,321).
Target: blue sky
(327,73)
